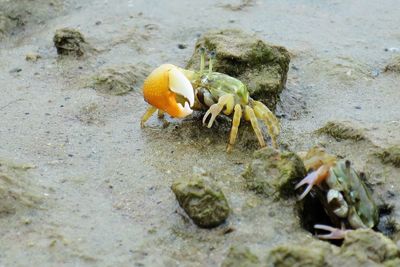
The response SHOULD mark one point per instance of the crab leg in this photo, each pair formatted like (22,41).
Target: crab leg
(235,125)
(334,233)
(269,120)
(150,110)
(225,100)
(250,116)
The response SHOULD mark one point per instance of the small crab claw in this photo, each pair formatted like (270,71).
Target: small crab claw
(313,178)
(334,233)
(168,89)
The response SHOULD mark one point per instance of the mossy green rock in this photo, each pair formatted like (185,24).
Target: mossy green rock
(203,201)
(342,131)
(368,244)
(274,173)
(390,155)
(240,256)
(296,256)
(261,66)
(69,41)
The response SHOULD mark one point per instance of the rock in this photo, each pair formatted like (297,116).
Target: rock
(240,256)
(32,57)
(119,80)
(15,190)
(203,202)
(342,131)
(393,66)
(261,66)
(69,42)
(272,173)
(390,155)
(296,256)
(369,245)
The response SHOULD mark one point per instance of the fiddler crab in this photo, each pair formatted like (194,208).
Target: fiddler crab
(177,92)
(344,196)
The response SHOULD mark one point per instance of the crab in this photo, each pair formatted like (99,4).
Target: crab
(343,194)
(177,92)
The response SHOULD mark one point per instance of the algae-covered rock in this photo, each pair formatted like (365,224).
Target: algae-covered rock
(296,256)
(119,80)
(371,245)
(261,66)
(15,190)
(393,66)
(390,155)
(240,256)
(69,41)
(272,173)
(203,201)
(342,131)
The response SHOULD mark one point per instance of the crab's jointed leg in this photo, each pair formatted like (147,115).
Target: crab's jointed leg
(226,101)
(262,112)
(250,116)
(150,110)
(237,115)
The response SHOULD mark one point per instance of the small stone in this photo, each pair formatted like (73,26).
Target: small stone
(69,42)
(182,46)
(15,70)
(240,256)
(272,173)
(203,201)
(33,57)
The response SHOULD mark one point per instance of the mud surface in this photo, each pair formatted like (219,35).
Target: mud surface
(107,182)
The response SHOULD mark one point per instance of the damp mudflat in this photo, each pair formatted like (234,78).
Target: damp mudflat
(93,189)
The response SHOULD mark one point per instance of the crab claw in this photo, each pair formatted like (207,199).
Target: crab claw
(313,178)
(334,233)
(168,89)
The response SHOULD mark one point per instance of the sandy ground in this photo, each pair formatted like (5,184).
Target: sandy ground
(105,182)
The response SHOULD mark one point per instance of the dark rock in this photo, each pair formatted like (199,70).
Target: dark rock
(342,131)
(69,42)
(203,202)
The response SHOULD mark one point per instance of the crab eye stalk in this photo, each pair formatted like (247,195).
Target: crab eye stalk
(168,89)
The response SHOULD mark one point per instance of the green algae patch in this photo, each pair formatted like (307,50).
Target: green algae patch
(119,80)
(70,42)
(15,190)
(202,201)
(369,245)
(262,67)
(296,255)
(390,155)
(394,65)
(274,173)
(342,131)
(240,256)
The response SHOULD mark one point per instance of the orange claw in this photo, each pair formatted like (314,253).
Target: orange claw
(314,178)
(162,87)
